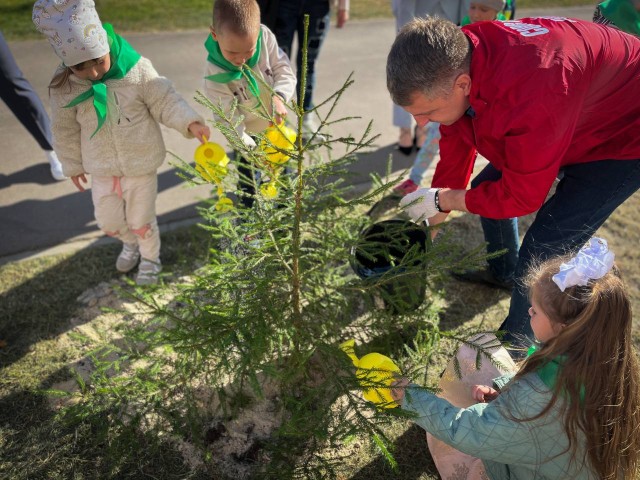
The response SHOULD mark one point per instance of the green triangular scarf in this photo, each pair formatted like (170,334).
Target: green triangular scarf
(123,59)
(231,72)
(623,15)
(548,372)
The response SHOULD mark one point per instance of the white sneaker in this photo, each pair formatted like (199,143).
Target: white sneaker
(311,125)
(148,272)
(56,167)
(128,257)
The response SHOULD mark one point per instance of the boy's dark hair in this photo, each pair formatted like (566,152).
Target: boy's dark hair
(241,17)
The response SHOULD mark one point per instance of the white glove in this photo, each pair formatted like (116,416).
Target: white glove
(248,141)
(424,207)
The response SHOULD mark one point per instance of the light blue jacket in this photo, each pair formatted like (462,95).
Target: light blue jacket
(535,449)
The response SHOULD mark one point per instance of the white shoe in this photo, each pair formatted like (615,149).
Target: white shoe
(128,257)
(56,167)
(311,125)
(148,272)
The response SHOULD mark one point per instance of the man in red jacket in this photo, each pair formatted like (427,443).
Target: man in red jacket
(539,98)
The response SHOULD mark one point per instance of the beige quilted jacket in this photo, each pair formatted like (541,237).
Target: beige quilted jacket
(130,142)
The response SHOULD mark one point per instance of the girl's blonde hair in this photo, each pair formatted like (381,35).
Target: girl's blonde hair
(61,76)
(598,380)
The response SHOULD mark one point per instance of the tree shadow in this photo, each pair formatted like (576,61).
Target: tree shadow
(410,452)
(33,436)
(25,319)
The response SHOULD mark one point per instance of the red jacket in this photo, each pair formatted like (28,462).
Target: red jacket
(547,92)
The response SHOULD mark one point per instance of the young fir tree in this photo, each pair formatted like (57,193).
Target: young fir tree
(273,304)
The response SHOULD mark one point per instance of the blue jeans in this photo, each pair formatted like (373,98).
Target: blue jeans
(585,197)
(499,234)
(289,21)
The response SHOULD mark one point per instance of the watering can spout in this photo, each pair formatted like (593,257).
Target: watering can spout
(348,348)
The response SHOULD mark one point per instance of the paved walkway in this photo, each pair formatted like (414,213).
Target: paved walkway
(40,216)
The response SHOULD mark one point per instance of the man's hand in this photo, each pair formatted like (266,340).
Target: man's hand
(424,204)
(279,109)
(199,131)
(483,394)
(78,180)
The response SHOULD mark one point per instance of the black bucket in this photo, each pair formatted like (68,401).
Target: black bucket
(384,246)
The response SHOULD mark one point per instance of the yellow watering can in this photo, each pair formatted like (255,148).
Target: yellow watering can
(269,190)
(211,162)
(279,136)
(372,371)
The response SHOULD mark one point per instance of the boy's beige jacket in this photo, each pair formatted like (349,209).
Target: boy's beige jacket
(273,68)
(130,142)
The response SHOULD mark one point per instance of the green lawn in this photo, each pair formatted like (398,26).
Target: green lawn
(148,15)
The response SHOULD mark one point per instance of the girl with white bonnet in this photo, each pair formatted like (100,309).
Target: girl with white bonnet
(107,102)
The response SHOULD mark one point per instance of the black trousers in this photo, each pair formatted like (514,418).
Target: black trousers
(22,99)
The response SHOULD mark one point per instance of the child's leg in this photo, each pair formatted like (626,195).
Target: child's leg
(109,209)
(139,195)
(426,154)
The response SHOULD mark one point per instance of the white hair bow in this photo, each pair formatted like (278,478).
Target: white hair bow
(593,261)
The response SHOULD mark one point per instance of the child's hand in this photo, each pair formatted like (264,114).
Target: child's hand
(343,16)
(279,109)
(397,389)
(199,130)
(78,180)
(484,394)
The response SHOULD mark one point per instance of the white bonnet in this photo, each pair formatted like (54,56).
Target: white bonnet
(73,29)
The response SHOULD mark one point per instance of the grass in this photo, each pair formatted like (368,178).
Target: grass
(155,16)
(38,301)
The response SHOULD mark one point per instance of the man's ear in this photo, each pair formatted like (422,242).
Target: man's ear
(213,33)
(464,82)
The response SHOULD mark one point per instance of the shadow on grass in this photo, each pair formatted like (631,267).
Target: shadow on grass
(37,445)
(411,453)
(40,308)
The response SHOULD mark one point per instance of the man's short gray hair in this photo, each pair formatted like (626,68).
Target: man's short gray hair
(426,57)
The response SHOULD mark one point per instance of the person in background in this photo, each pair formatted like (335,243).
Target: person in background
(286,19)
(107,103)
(24,103)
(404,11)
(621,14)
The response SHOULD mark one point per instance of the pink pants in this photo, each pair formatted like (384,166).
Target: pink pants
(125,208)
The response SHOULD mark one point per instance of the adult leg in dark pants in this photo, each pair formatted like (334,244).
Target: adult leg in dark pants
(289,22)
(585,197)
(25,104)
(499,235)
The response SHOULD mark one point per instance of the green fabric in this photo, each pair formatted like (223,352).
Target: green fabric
(623,15)
(548,372)
(232,72)
(123,59)
(467,21)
